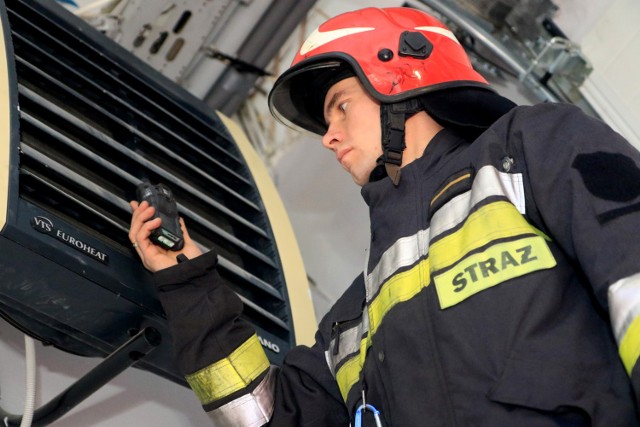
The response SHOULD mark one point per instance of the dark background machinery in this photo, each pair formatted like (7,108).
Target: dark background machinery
(216,49)
(83,122)
(518,41)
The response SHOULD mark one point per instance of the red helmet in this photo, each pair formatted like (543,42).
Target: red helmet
(397,53)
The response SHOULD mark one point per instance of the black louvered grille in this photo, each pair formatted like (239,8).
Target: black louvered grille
(92,126)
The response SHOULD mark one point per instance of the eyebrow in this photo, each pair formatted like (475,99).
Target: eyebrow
(332,102)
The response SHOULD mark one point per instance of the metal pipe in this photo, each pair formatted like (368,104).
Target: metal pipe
(231,89)
(457,15)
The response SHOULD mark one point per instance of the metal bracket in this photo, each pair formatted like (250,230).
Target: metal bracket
(125,356)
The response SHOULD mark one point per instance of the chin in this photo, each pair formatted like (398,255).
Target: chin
(360,175)
(359,180)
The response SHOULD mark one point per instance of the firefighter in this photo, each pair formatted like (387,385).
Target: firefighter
(502,285)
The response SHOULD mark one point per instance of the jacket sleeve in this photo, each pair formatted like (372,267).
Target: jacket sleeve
(585,180)
(224,363)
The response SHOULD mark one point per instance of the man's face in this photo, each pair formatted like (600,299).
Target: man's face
(353,121)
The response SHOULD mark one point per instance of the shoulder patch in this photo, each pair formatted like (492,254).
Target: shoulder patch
(609,176)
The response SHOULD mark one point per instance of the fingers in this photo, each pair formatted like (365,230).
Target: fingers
(154,257)
(142,210)
(141,227)
(143,233)
(142,213)
(135,223)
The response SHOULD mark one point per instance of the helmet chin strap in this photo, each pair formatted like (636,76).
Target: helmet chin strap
(392,120)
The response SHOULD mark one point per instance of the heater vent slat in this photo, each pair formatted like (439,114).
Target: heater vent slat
(92,121)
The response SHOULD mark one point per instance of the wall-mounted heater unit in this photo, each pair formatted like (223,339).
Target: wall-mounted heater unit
(82,122)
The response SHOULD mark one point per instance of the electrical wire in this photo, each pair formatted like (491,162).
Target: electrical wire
(30,383)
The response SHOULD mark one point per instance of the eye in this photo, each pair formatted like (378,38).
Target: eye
(343,106)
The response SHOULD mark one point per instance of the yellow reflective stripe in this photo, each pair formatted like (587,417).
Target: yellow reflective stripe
(349,373)
(630,345)
(404,253)
(399,288)
(494,221)
(230,374)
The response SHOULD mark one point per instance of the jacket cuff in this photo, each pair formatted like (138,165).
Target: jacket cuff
(187,270)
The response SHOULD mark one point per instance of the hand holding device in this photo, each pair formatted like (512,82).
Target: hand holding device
(169,234)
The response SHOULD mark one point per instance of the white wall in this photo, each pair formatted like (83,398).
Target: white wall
(609,35)
(135,398)
(576,18)
(613,46)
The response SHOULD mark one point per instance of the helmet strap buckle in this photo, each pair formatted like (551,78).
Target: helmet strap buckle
(392,119)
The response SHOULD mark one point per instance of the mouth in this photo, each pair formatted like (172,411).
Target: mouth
(340,154)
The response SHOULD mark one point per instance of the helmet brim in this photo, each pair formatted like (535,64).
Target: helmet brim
(297,97)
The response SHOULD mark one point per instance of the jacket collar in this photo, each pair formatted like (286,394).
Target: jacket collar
(443,143)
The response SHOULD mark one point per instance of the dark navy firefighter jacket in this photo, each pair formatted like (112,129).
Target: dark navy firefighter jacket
(502,288)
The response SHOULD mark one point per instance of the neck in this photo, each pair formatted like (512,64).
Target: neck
(419,131)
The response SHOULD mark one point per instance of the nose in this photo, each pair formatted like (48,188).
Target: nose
(331,137)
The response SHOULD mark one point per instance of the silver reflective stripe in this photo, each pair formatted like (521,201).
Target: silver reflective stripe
(488,182)
(349,343)
(408,250)
(250,410)
(624,304)
(513,187)
(403,253)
